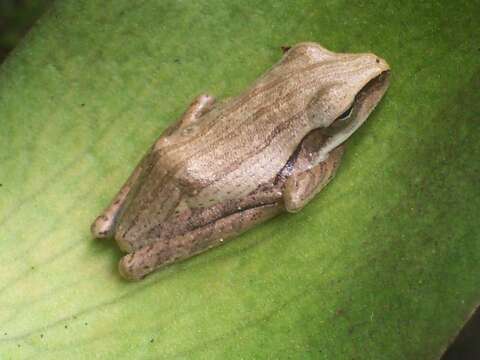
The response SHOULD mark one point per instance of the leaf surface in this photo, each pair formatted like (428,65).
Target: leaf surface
(383,264)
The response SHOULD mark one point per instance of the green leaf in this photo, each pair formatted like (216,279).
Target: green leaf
(383,264)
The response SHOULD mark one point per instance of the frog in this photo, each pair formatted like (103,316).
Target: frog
(225,166)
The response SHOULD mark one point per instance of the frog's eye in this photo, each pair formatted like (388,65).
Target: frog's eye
(345,115)
(341,121)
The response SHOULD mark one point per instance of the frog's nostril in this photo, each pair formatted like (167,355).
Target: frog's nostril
(382,64)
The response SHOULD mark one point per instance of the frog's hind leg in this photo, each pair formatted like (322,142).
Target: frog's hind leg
(137,265)
(199,106)
(104,224)
(300,188)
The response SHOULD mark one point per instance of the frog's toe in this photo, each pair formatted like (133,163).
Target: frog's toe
(103,227)
(297,193)
(130,267)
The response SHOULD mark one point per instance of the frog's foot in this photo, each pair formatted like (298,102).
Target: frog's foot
(300,188)
(102,227)
(137,265)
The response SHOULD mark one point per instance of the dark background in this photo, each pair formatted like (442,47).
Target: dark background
(18,16)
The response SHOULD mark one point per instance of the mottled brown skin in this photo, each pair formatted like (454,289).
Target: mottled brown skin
(226,166)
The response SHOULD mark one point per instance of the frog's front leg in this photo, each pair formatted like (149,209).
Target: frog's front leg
(137,265)
(301,187)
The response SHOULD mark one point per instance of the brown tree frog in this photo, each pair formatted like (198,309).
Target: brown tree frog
(228,165)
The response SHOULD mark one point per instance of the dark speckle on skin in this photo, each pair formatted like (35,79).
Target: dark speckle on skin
(86,323)
(41,336)
(82,105)
(176,61)
(66,326)
(377,61)
(151,340)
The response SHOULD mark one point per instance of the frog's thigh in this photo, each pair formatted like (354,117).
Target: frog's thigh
(138,264)
(301,188)
(199,106)
(104,224)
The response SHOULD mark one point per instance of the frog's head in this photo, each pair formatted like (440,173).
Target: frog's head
(347,88)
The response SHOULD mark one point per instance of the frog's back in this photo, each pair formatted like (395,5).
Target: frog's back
(240,144)
(246,141)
